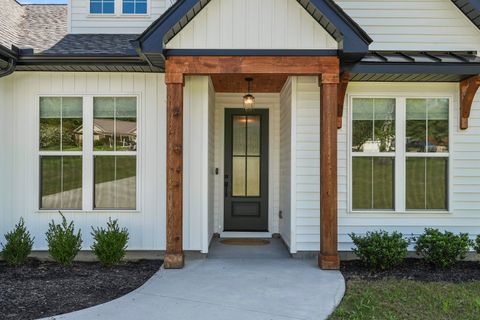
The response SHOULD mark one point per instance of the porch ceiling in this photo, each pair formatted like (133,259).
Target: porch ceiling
(235,83)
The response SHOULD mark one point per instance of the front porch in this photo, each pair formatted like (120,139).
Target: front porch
(227,69)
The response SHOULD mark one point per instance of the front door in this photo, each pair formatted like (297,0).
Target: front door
(246,170)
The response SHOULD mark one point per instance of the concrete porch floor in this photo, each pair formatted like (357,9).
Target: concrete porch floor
(235,283)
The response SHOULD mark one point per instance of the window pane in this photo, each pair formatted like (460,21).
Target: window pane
(239,135)
(108,7)
(362,124)
(253,135)
(50,122)
(61,182)
(115,182)
(416,125)
(415,183)
(128,7)
(253,176)
(373,183)
(95,7)
(238,177)
(103,124)
(126,124)
(383,183)
(140,8)
(437,125)
(437,179)
(384,122)
(72,120)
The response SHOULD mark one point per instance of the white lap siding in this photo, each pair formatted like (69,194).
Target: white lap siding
(464,215)
(19,155)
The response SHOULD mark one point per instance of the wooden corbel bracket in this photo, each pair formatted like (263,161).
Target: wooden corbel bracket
(468,90)
(342,91)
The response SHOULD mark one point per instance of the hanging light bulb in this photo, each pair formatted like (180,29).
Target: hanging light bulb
(249,99)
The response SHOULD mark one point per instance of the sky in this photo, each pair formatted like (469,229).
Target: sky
(43,1)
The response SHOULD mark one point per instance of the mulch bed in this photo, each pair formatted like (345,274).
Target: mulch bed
(413,269)
(42,289)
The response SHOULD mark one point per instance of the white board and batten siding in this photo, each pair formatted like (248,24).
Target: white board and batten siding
(80,20)
(19,159)
(413,24)
(253,24)
(465,176)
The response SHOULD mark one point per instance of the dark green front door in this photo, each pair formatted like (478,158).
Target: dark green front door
(246,170)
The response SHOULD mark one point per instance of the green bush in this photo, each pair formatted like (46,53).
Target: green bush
(442,250)
(477,244)
(63,243)
(19,245)
(110,244)
(380,250)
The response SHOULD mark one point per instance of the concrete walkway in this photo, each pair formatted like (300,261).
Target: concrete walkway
(258,287)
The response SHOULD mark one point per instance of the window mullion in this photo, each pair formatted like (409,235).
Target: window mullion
(400,158)
(87,162)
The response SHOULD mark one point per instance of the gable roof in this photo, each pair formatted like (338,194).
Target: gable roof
(352,39)
(471,8)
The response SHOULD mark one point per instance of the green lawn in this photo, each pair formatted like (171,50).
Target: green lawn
(406,299)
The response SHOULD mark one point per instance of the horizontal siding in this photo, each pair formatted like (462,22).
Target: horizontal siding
(413,24)
(253,24)
(465,201)
(81,21)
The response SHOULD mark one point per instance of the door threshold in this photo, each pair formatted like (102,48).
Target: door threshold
(240,234)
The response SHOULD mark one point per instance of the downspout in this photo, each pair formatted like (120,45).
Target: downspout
(12,63)
(10,56)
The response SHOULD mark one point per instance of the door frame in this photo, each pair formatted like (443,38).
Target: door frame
(270,101)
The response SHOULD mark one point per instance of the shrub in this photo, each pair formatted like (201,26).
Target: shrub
(110,244)
(63,243)
(19,245)
(442,250)
(477,244)
(380,250)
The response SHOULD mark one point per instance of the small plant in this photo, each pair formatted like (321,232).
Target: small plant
(477,244)
(110,244)
(380,250)
(19,245)
(442,250)
(63,243)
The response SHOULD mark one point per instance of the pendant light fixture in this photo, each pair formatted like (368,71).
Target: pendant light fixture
(249,99)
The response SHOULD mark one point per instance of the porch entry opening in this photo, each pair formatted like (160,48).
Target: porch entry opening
(246,170)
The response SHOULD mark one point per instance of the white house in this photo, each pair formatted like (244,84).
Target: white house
(364,118)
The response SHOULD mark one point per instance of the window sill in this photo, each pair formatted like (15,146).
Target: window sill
(117,16)
(398,213)
(119,211)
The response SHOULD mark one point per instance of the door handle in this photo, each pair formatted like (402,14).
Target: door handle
(225,186)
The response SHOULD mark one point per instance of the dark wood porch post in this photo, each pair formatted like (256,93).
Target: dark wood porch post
(328,257)
(174,258)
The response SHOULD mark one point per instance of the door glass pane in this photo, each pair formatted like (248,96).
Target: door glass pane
(239,135)
(103,123)
(383,182)
(436,185)
(253,135)
(61,182)
(384,124)
(238,177)
(415,183)
(50,122)
(362,186)
(253,176)
(72,120)
(437,125)
(126,123)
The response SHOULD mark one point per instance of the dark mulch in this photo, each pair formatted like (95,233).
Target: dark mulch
(42,289)
(414,269)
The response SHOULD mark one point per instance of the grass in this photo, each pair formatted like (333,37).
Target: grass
(406,299)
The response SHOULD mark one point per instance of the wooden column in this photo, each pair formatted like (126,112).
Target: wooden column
(174,258)
(328,257)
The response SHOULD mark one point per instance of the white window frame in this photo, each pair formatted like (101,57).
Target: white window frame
(87,153)
(400,152)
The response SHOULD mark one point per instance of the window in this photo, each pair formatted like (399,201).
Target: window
(427,154)
(66,160)
(134,6)
(373,150)
(60,153)
(400,154)
(114,141)
(102,6)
